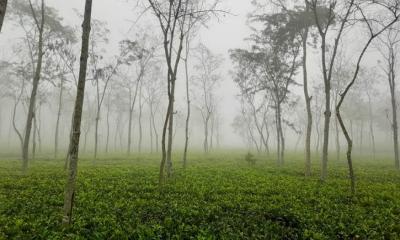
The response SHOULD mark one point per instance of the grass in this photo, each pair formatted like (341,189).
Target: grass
(220,196)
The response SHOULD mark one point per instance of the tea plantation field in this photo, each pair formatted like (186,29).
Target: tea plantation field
(219,196)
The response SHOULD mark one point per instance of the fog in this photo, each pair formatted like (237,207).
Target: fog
(222,33)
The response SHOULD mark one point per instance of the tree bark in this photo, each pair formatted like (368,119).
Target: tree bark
(392,84)
(60,97)
(3,10)
(187,105)
(35,85)
(76,125)
(140,119)
(308,102)
(371,126)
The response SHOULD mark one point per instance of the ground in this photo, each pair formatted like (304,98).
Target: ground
(219,196)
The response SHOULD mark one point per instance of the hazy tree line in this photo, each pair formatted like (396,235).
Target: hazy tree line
(135,89)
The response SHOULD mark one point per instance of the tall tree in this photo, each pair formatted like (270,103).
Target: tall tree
(174,18)
(388,46)
(206,81)
(390,14)
(77,117)
(325,26)
(39,22)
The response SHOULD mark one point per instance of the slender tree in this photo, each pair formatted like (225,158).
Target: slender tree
(77,117)
(388,46)
(39,22)
(391,9)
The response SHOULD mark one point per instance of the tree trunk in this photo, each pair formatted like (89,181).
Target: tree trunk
(96,132)
(325,146)
(394,118)
(34,138)
(130,131)
(76,125)
(371,126)
(32,101)
(337,135)
(140,120)
(171,128)
(3,8)
(60,97)
(188,110)
(205,141)
(153,120)
(349,150)
(308,102)
(108,125)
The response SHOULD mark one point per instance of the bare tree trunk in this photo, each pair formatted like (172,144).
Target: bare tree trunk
(60,97)
(163,142)
(308,102)
(130,131)
(337,135)
(211,133)
(325,146)
(154,129)
(14,124)
(34,138)
(371,126)
(349,150)
(392,85)
(76,126)
(205,141)
(151,132)
(188,107)
(140,119)
(171,128)
(96,132)
(35,85)
(132,102)
(3,10)
(108,125)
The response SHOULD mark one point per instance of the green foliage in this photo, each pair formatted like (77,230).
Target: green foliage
(218,197)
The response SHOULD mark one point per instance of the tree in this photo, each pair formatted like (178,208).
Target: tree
(137,55)
(388,46)
(273,62)
(41,26)
(175,18)
(391,9)
(206,81)
(77,116)
(35,83)
(324,26)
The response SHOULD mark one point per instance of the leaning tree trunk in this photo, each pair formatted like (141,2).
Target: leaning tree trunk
(3,8)
(77,117)
(32,101)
